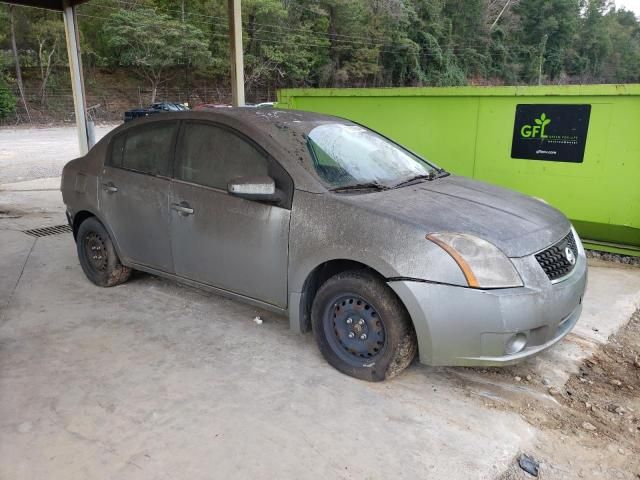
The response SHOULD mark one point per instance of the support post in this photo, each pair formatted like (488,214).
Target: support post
(237,61)
(77,80)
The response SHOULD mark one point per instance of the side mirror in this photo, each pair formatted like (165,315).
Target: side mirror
(254,188)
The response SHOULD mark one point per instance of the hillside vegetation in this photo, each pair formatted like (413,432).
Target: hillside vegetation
(136,51)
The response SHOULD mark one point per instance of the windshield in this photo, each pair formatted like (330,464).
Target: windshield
(348,155)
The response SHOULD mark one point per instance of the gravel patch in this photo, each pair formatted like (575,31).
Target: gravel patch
(613,257)
(33,153)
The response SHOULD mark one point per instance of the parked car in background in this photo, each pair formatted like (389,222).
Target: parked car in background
(157,107)
(378,251)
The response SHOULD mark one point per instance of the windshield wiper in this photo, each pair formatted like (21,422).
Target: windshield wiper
(430,176)
(415,179)
(360,186)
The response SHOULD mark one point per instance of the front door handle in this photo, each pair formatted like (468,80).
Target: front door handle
(109,187)
(182,208)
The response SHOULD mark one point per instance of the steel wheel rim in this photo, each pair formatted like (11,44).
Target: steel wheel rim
(354,329)
(96,251)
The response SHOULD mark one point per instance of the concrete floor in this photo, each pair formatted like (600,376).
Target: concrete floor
(154,380)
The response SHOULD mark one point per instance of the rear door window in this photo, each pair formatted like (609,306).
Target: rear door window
(146,149)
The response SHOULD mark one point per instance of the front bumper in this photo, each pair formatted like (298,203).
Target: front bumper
(465,326)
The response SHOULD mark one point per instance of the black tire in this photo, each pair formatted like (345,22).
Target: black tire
(98,256)
(360,303)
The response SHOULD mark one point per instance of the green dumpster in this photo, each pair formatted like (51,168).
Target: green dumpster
(576,147)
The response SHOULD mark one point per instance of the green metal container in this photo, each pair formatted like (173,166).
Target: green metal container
(469,131)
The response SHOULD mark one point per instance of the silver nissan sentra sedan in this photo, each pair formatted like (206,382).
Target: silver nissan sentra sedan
(378,251)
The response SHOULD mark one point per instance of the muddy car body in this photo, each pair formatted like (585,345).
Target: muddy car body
(254,204)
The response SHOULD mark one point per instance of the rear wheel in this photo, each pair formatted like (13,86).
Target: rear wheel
(98,256)
(361,327)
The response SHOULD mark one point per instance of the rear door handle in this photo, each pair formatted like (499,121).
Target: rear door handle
(182,208)
(109,187)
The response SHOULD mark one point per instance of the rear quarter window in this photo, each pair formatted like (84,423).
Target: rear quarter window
(117,146)
(145,149)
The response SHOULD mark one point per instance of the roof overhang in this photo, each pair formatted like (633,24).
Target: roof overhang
(49,4)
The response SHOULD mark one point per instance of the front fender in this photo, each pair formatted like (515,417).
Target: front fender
(324,229)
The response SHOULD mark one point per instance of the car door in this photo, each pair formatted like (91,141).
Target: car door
(228,242)
(134,193)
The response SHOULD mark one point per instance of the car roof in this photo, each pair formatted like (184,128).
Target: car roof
(277,119)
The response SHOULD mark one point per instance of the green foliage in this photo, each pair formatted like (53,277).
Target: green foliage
(4,21)
(151,43)
(623,58)
(7,100)
(547,28)
(342,43)
(595,44)
(270,59)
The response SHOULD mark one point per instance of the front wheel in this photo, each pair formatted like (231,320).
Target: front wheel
(361,327)
(98,256)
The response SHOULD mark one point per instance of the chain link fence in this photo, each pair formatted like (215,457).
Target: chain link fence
(108,103)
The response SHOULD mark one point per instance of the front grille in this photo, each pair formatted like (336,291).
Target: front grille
(554,259)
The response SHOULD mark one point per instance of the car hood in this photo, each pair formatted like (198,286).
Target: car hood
(517,224)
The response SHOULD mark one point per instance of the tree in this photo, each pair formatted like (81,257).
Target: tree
(49,34)
(622,64)
(326,43)
(275,55)
(496,9)
(595,44)
(16,57)
(153,44)
(7,100)
(432,31)
(469,36)
(389,25)
(334,20)
(547,29)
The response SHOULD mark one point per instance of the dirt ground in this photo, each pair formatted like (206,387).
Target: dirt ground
(596,413)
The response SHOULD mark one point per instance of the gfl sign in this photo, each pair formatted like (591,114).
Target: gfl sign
(537,130)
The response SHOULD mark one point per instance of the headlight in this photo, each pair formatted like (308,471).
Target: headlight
(483,265)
